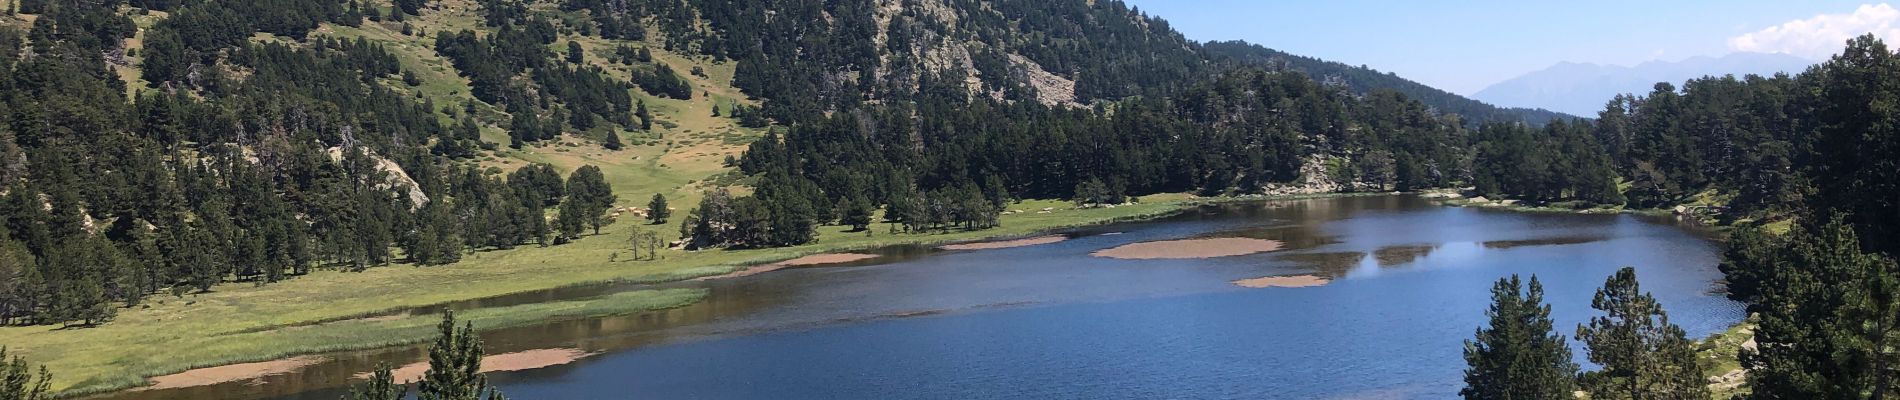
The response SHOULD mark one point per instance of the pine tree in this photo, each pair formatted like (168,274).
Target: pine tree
(575,54)
(657,210)
(381,386)
(455,362)
(1827,309)
(437,239)
(1859,141)
(523,129)
(18,382)
(1520,356)
(646,118)
(19,282)
(572,221)
(1643,355)
(613,141)
(590,196)
(855,213)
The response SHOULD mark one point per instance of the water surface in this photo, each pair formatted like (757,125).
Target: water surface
(1411,282)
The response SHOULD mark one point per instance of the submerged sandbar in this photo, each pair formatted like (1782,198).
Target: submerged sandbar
(1284,281)
(1007,244)
(519,361)
(231,373)
(816,259)
(1190,249)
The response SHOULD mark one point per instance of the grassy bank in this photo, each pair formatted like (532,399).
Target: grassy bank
(1719,356)
(135,354)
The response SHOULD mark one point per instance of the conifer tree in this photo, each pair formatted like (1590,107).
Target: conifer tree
(381,386)
(1643,355)
(613,141)
(1520,356)
(855,213)
(571,220)
(657,210)
(646,118)
(18,382)
(590,196)
(455,362)
(1827,309)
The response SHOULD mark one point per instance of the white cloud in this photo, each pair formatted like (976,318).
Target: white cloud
(1824,35)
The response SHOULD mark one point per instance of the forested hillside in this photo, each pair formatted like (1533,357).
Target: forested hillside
(170,146)
(1365,79)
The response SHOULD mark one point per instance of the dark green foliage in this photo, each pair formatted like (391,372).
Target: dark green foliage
(1860,133)
(855,212)
(411,7)
(1562,162)
(492,62)
(1827,309)
(646,118)
(772,218)
(525,128)
(455,362)
(1825,294)
(589,197)
(749,116)
(613,141)
(1642,354)
(539,185)
(381,386)
(1519,356)
(1094,192)
(661,80)
(657,210)
(18,382)
(438,239)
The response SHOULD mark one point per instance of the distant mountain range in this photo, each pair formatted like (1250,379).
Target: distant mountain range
(1583,88)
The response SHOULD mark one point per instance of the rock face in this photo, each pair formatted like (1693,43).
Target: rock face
(1051,89)
(1314,179)
(937,52)
(397,177)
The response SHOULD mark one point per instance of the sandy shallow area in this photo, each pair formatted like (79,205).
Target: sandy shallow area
(1007,244)
(1287,281)
(231,373)
(1190,248)
(822,259)
(521,361)
(816,259)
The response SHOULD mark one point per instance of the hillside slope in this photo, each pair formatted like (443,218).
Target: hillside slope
(1581,88)
(1364,80)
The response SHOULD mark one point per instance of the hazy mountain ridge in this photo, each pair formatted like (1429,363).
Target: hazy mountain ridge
(1365,79)
(1582,88)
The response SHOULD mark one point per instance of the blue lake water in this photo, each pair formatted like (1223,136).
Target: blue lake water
(1410,283)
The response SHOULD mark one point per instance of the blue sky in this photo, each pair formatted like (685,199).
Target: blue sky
(1463,46)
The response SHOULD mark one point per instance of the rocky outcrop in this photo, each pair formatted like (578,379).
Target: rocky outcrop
(397,177)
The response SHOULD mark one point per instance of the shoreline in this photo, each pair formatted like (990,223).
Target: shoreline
(96,385)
